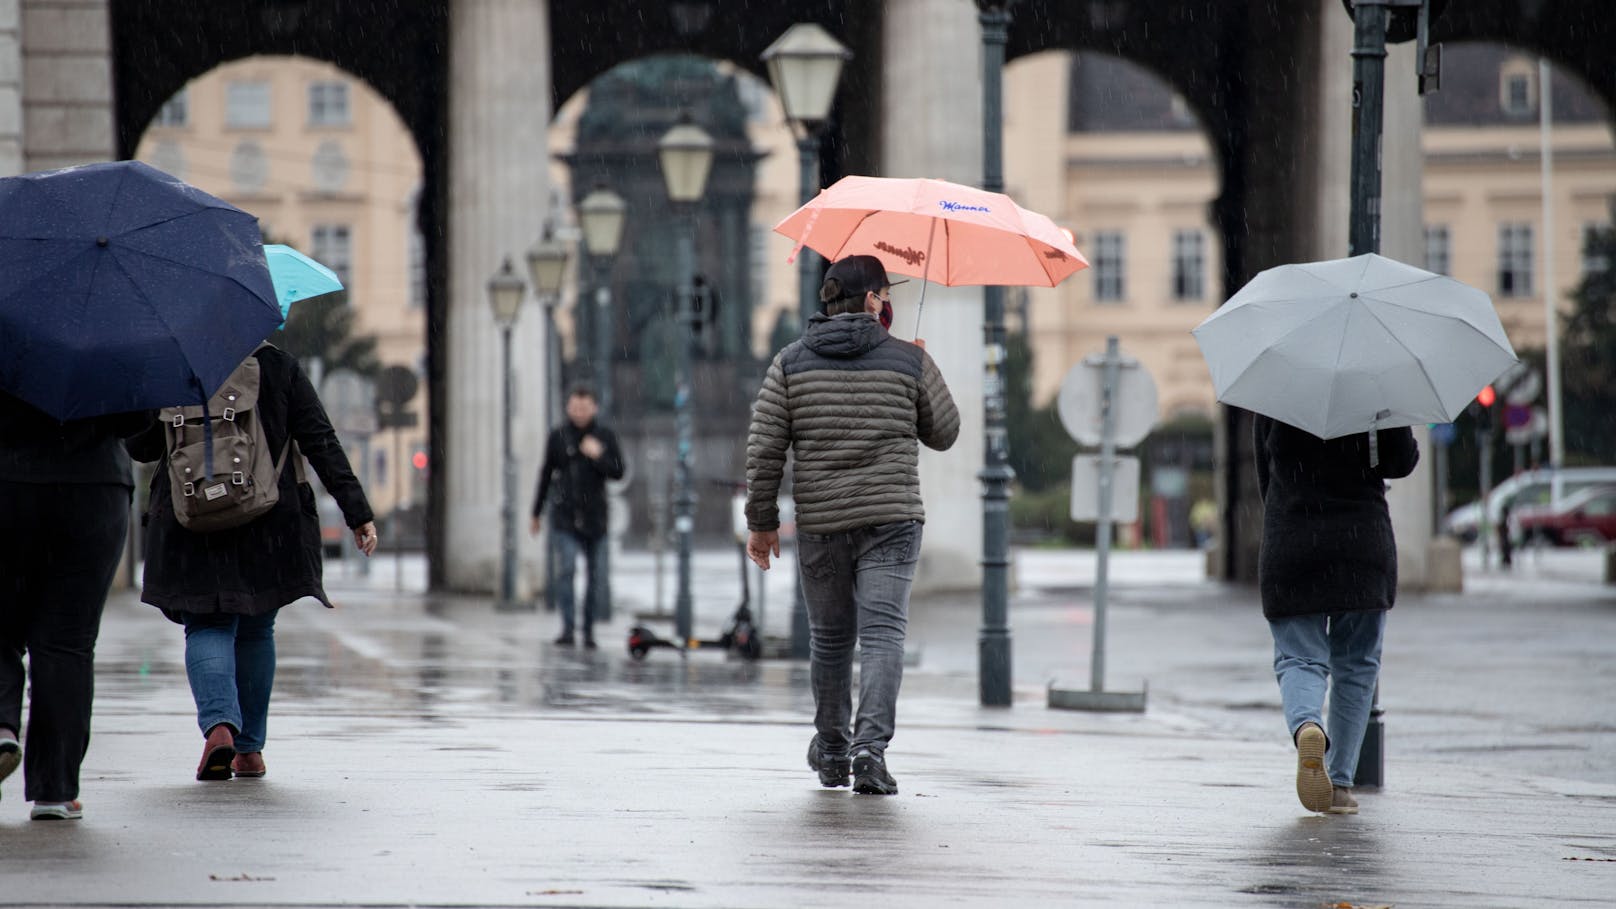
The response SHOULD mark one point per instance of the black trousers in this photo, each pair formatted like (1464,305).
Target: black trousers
(59,547)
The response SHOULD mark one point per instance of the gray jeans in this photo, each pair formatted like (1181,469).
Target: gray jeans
(856,585)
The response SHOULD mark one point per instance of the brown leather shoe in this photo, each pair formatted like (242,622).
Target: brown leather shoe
(249,764)
(1342,802)
(217,754)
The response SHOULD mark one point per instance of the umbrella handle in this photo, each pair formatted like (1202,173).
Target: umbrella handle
(1374,438)
(925,272)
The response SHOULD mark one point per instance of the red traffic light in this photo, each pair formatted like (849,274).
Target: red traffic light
(1487,397)
(418,460)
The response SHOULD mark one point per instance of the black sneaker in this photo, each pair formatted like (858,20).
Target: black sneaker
(870,774)
(589,642)
(565,640)
(832,771)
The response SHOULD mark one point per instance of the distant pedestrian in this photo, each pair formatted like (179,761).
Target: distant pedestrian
(226,586)
(1328,574)
(64,516)
(579,457)
(853,404)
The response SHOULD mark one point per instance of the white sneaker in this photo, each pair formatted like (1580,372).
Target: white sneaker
(57,811)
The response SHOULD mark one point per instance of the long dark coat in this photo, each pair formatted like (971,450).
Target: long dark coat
(573,483)
(1327,543)
(261,566)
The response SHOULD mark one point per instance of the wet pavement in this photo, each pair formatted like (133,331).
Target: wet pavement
(430,751)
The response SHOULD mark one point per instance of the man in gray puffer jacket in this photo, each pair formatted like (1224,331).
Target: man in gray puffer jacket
(852,403)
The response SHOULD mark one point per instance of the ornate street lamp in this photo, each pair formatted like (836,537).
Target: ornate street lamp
(686,155)
(601,215)
(547,268)
(505,292)
(805,65)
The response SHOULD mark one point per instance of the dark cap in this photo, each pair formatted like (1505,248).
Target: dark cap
(859,275)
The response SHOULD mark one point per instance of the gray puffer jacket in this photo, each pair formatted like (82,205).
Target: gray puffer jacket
(851,402)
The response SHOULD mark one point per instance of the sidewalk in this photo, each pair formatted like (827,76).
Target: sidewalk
(426,750)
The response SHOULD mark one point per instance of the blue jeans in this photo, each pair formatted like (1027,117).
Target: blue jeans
(856,585)
(230,661)
(1340,652)
(568,547)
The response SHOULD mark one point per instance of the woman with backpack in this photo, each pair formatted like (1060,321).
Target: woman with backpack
(225,583)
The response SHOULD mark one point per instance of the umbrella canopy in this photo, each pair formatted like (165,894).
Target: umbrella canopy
(1349,345)
(296,276)
(123,288)
(935,230)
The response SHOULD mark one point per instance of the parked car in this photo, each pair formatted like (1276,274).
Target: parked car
(1527,488)
(1585,517)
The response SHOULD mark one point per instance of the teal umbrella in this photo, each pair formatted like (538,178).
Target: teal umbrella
(296,276)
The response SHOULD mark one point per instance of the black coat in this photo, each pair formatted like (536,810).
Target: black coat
(1327,543)
(261,566)
(577,480)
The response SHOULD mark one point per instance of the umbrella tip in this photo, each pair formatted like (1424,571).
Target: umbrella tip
(101,241)
(1353,295)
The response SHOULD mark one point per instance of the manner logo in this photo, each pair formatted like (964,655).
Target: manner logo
(950,206)
(908,253)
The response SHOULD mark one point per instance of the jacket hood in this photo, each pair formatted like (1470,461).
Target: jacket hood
(845,336)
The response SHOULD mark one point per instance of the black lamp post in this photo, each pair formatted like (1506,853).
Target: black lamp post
(686,155)
(600,215)
(547,268)
(505,292)
(993,643)
(805,65)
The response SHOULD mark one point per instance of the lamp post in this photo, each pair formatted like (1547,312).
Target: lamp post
(505,290)
(1376,23)
(601,214)
(547,268)
(686,155)
(805,65)
(993,643)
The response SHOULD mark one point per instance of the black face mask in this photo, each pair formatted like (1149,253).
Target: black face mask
(886,314)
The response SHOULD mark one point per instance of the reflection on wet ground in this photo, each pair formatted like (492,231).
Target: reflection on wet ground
(429,750)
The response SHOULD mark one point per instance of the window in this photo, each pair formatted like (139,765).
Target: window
(1514,260)
(1438,249)
(330,167)
(332,246)
(249,167)
(175,111)
(1517,89)
(1595,258)
(328,104)
(1189,264)
(1108,263)
(417,265)
(246,105)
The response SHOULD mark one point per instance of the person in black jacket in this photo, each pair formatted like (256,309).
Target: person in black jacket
(579,457)
(1328,574)
(226,586)
(64,514)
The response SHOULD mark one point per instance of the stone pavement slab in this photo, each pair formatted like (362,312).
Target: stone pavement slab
(427,750)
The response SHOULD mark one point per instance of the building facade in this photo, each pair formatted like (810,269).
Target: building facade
(330,170)
(1115,156)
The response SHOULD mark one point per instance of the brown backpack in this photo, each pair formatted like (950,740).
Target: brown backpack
(230,479)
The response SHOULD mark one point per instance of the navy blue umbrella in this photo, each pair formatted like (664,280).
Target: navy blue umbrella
(123,288)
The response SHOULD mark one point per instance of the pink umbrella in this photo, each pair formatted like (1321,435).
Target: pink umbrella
(934,230)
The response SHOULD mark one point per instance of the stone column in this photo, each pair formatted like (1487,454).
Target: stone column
(1402,235)
(931,98)
(499,195)
(10,88)
(66,82)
